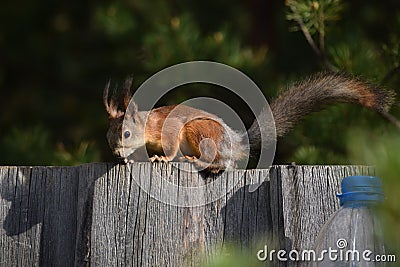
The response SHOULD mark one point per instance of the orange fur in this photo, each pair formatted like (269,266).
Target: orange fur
(194,132)
(185,133)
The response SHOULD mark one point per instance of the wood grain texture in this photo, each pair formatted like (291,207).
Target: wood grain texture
(38,216)
(102,214)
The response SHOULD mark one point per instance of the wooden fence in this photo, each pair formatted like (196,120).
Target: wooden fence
(102,214)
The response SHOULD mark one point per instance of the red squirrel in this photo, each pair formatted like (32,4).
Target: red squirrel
(207,141)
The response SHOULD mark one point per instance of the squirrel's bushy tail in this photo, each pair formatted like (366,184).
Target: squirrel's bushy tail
(322,89)
(316,92)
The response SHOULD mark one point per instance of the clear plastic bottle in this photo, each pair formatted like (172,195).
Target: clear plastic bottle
(353,236)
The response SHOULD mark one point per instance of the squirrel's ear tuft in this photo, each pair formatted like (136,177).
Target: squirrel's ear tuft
(129,105)
(126,96)
(111,105)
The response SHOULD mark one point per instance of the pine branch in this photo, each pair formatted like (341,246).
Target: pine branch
(319,49)
(392,119)
(391,74)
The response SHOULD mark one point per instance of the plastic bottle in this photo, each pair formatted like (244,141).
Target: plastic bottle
(353,236)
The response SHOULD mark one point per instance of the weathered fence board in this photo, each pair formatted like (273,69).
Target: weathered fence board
(98,215)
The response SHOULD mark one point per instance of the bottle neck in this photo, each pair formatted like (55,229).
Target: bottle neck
(359,203)
(359,191)
(360,198)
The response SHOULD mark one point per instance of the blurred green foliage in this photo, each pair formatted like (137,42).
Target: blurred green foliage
(56,58)
(380,148)
(233,256)
(36,149)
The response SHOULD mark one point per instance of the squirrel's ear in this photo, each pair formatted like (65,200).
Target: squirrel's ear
(111,105)
(132,109)
(127,92)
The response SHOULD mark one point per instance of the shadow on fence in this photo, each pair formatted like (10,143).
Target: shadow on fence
(97,215)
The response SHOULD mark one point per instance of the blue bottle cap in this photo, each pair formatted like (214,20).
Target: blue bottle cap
(361,188)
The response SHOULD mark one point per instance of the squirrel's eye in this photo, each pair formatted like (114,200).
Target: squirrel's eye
(127,134)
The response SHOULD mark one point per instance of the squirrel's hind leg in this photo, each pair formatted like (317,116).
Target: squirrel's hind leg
(188,158)
(201,144)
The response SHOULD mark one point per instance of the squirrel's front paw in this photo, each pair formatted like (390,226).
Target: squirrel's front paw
(126,161)
(159,159)
(188,158)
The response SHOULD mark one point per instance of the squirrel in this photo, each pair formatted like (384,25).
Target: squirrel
(207,141)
